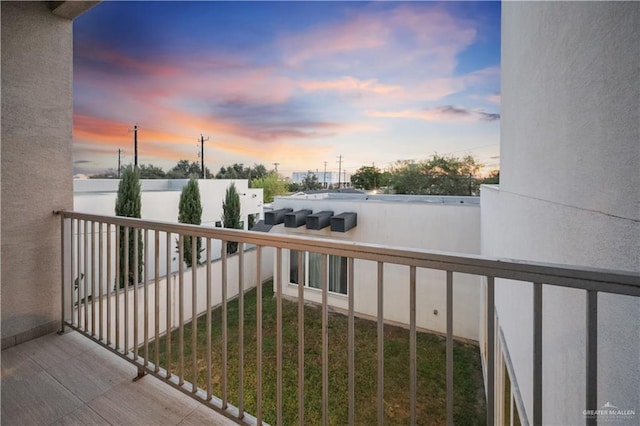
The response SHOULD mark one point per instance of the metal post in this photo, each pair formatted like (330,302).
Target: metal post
(537,354)
(592,356)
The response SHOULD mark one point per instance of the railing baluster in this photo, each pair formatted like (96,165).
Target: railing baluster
(537,354)
(72,260)
(194,312)
(117,285)
(223,256)
(86,276)
(490,350)
(180,309)
(208,319)
(78,282)
(325,341)
(93,278)
(592,356)
(136,233)
(62,283)
(240,330)
(300,338)
(449,349)
(145,266)
(380,344)
(279,336)
(156,296)
(127,272)
(413,386)
(109,284)
(259,336)
(100,280)
(351,343)
(169,306)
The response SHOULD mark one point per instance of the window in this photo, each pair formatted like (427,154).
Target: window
(312,271)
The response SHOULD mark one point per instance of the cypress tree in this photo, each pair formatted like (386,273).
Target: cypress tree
(231,214)
(190,211)
(129,204)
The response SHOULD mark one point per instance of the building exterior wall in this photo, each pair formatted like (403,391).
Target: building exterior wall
(569,193)
(421,225)
(37,108)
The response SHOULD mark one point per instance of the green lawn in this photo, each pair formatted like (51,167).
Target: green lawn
(468,388)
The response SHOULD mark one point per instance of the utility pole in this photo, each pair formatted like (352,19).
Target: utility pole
(119,151)
(202,141)
(135,145)
(276,164)
(344,176)
(325,175)
(339,170)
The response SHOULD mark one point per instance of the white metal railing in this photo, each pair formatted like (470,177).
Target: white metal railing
(107,317)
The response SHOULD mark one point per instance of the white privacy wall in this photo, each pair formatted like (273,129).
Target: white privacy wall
(569,192)
(148,309)
(160,199)
(421,225)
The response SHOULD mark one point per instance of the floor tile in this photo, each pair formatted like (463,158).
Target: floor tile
(147,401)
(45,381)
(37,399)
(15,362)
(52,349)
(81,417)
(206,416)
(105,373)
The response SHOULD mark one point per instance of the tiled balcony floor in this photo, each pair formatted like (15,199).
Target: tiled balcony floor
(69,380)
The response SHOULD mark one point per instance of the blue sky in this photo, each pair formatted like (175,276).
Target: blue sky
(297,83)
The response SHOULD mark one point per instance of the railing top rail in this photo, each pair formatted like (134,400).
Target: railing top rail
(609,281)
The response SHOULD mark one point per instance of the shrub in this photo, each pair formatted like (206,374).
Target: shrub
(190,211)
(129,204)
(231,214)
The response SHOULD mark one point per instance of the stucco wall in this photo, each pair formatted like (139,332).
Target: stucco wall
(160,200)
(569,192)
(442,227)
(36,164)
(93,309)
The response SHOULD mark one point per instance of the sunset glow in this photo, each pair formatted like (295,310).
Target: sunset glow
(297,83)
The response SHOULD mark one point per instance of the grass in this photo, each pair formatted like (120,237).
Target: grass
(469,403)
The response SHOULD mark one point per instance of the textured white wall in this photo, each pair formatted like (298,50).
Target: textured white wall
(36,164)
(160,199)
(442,227)
(569,192)
(250,281)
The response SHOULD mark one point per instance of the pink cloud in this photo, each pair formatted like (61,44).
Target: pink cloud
(350,84)
(362,32)
(495,98)
(395,38)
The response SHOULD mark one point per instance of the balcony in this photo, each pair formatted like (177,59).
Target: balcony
(131,323)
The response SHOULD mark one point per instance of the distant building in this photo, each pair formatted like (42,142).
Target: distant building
(328,177)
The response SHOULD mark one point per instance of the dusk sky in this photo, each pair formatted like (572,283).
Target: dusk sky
(297,83)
